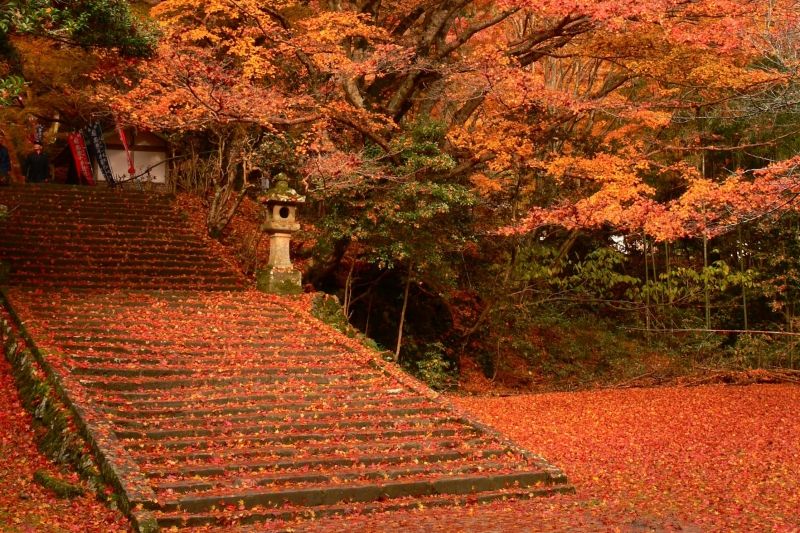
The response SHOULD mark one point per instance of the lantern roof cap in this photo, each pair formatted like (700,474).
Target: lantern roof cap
(281,193)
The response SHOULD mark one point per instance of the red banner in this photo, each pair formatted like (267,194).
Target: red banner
(81,157)
(128,154)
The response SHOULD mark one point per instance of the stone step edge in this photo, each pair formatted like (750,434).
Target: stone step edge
(147,384)
(326,466)
(296,516)
(287,429)
(190,488)
(427,445)
(120,370)
(225,442)
(165,285)
(297,400)
(151,359)
(189,419)
(283,388)
(116,465)
(366,492)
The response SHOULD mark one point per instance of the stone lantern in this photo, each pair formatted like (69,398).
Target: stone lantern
(279,276)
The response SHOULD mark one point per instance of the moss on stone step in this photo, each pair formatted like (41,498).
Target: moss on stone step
(61,488)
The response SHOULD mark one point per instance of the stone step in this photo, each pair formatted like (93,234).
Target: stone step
(298,427)
(77,212)
(99,327)
(287,400)
(110,241)
(227,442)
(284,517)
(101,244)
(343,458)
(135,269)
(267,412)
(289,389)
(210,480)
(173,358)
(210,420)
(347,462)
(210,282)
(104,196)
(65,223)
(330,495)
(123,371)
(136,280)
(296,380)
(107,303)
(31,260)
(131,346)
(60,195)
(110,207)
(157,456)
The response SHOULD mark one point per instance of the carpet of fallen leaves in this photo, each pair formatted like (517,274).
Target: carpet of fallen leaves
(710,458)
(26,506)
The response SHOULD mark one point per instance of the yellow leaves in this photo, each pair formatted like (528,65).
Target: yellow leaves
(199,34)
(335,27)
(327,40)
(485,185)
(650,119)
(602,168)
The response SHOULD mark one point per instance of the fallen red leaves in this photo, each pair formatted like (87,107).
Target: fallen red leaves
(724,458)
(712,458)
(26,506)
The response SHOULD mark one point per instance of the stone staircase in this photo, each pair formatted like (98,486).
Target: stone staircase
(215,407)
(87,237)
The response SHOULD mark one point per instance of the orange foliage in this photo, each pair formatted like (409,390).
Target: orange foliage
(590,96)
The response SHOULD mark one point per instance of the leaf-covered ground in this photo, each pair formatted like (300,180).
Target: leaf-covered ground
(26,506)
(711,458)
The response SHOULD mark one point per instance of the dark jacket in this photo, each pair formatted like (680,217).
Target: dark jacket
(37,167)
(5,160)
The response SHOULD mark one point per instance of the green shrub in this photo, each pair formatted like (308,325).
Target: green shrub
(433,368)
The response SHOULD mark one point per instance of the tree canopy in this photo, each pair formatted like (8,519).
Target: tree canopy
(427,135)
(85,23)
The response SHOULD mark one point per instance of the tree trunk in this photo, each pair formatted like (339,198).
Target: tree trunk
(705,282)
(403,312)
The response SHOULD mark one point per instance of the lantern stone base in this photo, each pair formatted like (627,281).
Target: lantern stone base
(279,280)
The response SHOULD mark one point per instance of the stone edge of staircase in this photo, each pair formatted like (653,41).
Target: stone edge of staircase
(117,467)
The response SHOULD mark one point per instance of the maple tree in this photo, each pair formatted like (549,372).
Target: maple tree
(423,133)
(85,24)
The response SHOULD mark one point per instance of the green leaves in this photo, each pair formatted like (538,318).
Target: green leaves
(10,87)
(87,23)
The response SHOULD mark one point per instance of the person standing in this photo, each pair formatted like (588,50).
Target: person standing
(5,164)
(37,165)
